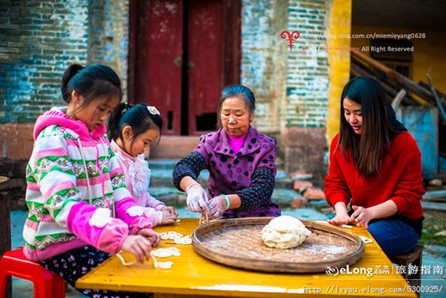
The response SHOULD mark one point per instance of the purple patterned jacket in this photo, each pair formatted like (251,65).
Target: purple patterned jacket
(250,173)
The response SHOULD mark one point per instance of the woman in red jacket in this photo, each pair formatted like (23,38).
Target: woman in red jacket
(375,167)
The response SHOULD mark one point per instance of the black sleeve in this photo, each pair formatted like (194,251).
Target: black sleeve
(259,191)
(191,166)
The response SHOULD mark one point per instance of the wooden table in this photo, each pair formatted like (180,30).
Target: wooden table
(193,275)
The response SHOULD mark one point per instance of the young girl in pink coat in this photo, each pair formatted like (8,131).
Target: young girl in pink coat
(80,211)
(132,129)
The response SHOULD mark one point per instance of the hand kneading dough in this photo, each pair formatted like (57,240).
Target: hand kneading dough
(284,232)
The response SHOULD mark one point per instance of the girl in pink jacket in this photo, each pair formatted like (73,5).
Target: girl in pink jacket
(80,212)
(132,129)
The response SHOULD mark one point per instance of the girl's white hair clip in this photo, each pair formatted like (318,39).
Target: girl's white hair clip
(152,110)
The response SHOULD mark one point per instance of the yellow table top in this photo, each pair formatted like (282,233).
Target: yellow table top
(192,274)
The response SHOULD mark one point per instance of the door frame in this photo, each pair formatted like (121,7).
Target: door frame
(231,48)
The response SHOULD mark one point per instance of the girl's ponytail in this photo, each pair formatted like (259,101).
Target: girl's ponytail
(70,72)
(113,126)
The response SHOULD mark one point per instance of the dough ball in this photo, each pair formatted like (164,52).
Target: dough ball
(284,232)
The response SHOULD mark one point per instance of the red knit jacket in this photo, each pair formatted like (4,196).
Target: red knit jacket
(400,179)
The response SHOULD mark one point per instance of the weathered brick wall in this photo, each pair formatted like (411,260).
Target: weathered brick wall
(265,56)
(109,35)
(264,59)
(304,138)
(291,85)
(39,39)
(308,76)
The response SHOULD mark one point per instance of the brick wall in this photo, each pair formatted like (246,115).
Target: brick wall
(291,86)
(263,59)
(305,142)
(307,76)
(109,36)
(38,41)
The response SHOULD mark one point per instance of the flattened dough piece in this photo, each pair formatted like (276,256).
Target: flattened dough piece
(176,237)
(164,265)
(166,252)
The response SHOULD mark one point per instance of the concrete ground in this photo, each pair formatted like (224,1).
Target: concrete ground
(434,257)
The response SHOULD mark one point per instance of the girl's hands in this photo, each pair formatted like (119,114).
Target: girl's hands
(151,235)
(138,246)
(169,215)
(170,209)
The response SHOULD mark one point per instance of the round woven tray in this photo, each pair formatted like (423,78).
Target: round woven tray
(238,243)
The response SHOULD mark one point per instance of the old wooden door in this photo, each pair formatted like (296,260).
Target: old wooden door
(182,53)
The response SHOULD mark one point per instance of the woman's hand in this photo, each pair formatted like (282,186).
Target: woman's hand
(151,235)
(217,207)
(340,219)
(361,216)
(138,246)
(196,198)
(342,216)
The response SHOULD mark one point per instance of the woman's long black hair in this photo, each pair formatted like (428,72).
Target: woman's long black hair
(379,125)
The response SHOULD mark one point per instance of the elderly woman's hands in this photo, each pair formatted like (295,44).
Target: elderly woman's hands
(197,198)
(217,206)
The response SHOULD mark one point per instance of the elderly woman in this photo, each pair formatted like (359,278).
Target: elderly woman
(240,160)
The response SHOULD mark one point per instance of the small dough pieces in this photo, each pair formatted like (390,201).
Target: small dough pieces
(166,252)
(176,237)
(164,265)
(284,232)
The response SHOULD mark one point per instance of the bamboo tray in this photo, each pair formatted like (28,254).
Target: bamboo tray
(238,243)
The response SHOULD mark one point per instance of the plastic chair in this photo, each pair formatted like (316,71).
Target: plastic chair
(46,284)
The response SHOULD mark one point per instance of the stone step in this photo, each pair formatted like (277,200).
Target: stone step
(161,186)
(173,197)
(162,164)
(162,175)
(163,178)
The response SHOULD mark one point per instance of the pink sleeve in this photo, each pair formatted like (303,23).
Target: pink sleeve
(107,235)
(156,217)
(132,214)
(153,203)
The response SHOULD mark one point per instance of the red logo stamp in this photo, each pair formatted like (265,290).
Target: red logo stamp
(290,36)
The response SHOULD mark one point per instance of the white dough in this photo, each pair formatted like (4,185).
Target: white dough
(284,232)
(164,265)
(166,252)
(176,237)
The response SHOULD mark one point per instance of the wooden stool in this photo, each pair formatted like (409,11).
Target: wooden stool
(46,284)
(413,257)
